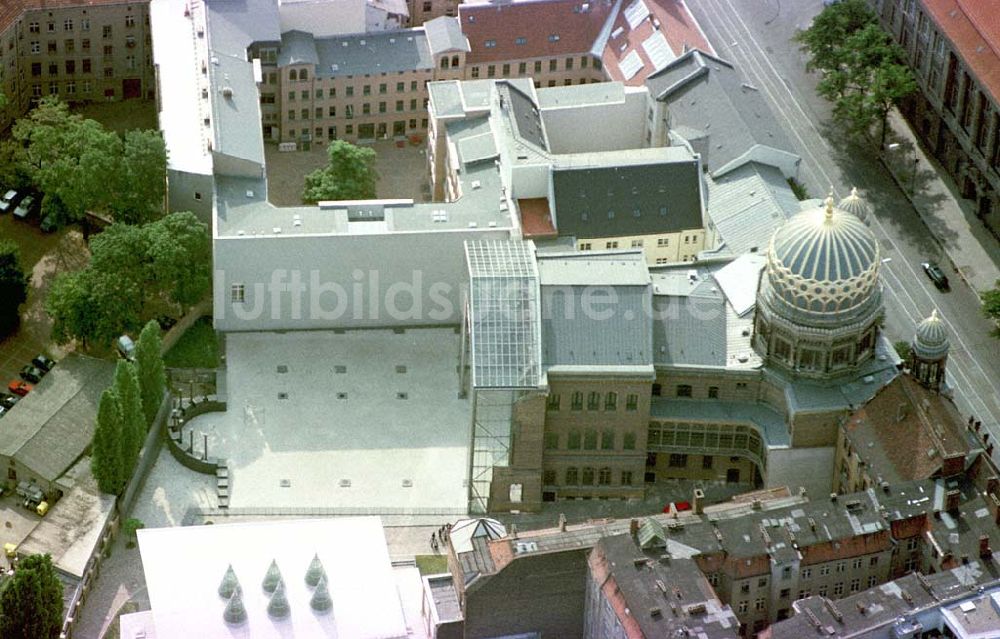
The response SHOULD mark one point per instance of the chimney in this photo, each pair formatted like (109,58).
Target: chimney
(633,528)
(562,522)
(699,501)
(951,500)
(984,547)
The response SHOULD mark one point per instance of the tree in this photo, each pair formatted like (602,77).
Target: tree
(991,307)
(133,418)
(13,287)
(141,178)
(863,70)
(149,363)
(106,451)
(902,349)
(129,528)
(349,175)
(180,257)
(93,306)
(31,602)
(68,157)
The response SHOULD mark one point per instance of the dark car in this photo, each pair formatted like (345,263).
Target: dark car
(8,401)
(166,322)
(9,201)
(31,374)
(936,275)
(43,362)
(27,208)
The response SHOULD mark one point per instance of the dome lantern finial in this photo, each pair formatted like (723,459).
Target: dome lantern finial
(828,202)
(934,314)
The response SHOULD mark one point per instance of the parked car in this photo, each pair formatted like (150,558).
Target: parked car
(43,362)
(8,401)
(3,411)
(125,347)
(936,275)
(31,374)
(27,208)
(19,387)
(9,201)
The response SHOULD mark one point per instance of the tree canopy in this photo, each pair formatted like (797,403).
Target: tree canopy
(13,286)
(991,306)
(31,602)
(133,271)
(349,175)
(80,166)
(863,71)
(149,362)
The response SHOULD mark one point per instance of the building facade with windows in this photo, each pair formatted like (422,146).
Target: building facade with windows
(78,51)
(953,47)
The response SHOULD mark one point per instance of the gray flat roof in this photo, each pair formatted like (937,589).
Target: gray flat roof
(235,104)
(49,430)
(359,54)
(748,205)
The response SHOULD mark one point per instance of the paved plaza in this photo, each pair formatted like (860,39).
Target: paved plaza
(359,419)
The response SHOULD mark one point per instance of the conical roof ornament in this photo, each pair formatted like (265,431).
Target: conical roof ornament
(278,607)
(235,613)
(321,601)
(230,583)
(828,203)
(315,571)
(272,578)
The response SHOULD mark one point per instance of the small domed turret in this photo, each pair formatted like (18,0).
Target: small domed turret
(856,206)
(929,351)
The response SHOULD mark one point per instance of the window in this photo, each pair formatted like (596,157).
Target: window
(130,20)
(821,591)
(69,46)
(319,112)
(304,74)
(70,67)
(382,89)
(85,86)
(491,71)
(713,392)
(604,476)
(806,573)
(841,566)
(706,462)
(36,90)
(490,44)
(366,108)
(304,95)
(350,92)
(552,403)
(611,245)
(130,62)
(572,476)
(522,68)
(683,390)
(762,582)
(36,69)
(838,589)
(554,37)
(576,402)
(291,114)
(607,439)
(237,292)
(53,88)
(678,460)
(873,561)
(33,27)
(366,89)
(657,390)
(804,593)
(569,64)
(636,243)
(786,572)
(626,478)
(856,563)
(51,27)
(628,441)
(130,41)
(349,111)
(611,401)
(587,476)
(520,41)
(106,31)
(108,50)
(475,72)
(413,105)
(552,65)
(71,88)
(583,62)
(590,439)
(573,440)
(872,581)
(855,585)
(549,477)
(742,608)
(551,441)
(745,588)
(758,605)
(291,96)
(824,571)
(593,400)
(631,402)
(538,66)
(381,107)
(109,72)
(85,24)
(331,112)
(785,593)
(85,44)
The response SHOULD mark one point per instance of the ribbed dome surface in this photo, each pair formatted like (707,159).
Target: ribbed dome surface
(823,261)
(931,337)
(856,206)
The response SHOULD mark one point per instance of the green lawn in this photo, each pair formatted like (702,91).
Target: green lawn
(197,348)
(431,564)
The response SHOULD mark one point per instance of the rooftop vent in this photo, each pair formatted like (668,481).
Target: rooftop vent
(361,42)
(402,396)
(249,193)
(345,483)
(276,230)
(282,368)
(407,483)
(344,43)
(227,92)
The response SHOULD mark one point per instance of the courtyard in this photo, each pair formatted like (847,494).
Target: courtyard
(354,420)
(402,171)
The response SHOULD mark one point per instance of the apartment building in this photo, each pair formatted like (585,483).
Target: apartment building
(422,11)
(78,51)
(953,47)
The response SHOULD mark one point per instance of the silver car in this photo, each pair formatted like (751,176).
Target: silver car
(7,202)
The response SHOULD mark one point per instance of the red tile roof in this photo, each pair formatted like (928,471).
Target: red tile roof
(536,221)
(675,22)
(549,28)
(973,27)
(10,10)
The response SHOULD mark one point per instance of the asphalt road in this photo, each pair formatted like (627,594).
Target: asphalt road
(755,35)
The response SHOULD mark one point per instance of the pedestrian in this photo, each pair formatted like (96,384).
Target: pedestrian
(433,539)
(972,418)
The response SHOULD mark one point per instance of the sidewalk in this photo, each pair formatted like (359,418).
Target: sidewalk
(974,253)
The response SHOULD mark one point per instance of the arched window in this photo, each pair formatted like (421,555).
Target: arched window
(454,61)
(588,476)
(604,476)
(444,63)
(572,478)
(303,74)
